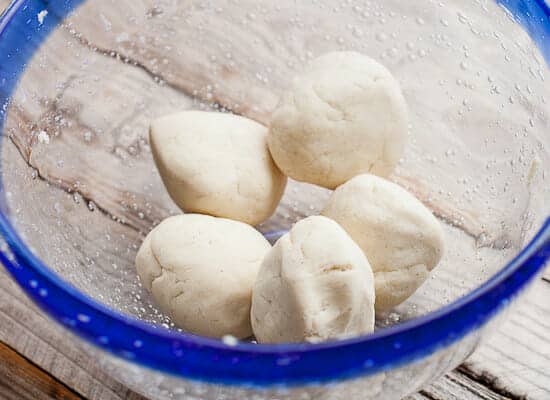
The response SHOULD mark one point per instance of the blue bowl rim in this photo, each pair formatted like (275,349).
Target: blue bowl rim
(245,364)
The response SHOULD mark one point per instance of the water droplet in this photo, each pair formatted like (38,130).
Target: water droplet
(83,318)
(103,339)
(462,18)
(283,361)
(106,23)
(444,22)
(43,137)
(420,21)
(394,317)
(41,16)
(230,340)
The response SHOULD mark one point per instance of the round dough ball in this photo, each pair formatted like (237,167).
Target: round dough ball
(200,271)
(400,236)
(315,284)
(345,115)
(218,164)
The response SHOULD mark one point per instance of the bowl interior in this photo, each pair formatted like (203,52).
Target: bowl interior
(82,188)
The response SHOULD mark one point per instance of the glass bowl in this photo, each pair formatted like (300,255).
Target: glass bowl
(81,80)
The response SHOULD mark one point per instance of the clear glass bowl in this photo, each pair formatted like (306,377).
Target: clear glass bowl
(80,81)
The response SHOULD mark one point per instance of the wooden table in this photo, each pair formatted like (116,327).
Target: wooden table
(38,362)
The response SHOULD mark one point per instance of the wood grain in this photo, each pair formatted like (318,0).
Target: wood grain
(136,33)
(26,329)
(263,59)
(20,379)
(519,356)
(457,386)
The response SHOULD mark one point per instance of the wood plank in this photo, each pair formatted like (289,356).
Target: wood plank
(456,386)
(519,355)
(54,351)
(31,333)
(95,134)
(27,330)
(3,5)
(135,33)
(267,44)
(20,379)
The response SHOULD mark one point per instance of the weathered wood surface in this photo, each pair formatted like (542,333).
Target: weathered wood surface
(235,76)
(123,69)
(28,331)
(513,365)
(112,166)
(23,380)
(218,60)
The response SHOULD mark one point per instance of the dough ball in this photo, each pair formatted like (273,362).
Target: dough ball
(400,236)
(200,271)
(315,284)
(343,116)
(218,164)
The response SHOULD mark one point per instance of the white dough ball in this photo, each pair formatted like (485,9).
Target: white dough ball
(343,116)
(400,236)
(315,284)
(218,164)
(200,271)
